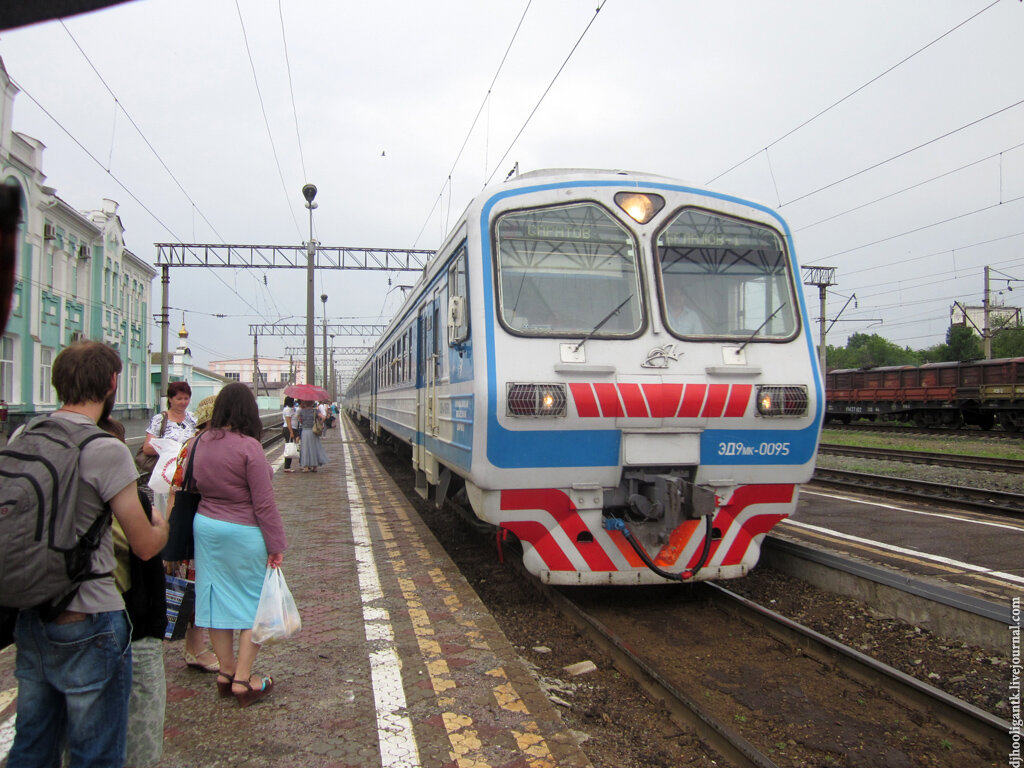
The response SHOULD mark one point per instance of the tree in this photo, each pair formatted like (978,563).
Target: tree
(963,343)
(1009,341)
(870,350)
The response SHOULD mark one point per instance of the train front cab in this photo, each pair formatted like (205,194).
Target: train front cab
(620,446)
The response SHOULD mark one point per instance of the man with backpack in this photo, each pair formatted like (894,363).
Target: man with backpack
(73,659)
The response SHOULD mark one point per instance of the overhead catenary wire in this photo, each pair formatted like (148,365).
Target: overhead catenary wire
(854,92)
(118,105)
(291,91)
(905,152)
(547,90)
(916,186)
(266,121)
(469,133)
(116,180)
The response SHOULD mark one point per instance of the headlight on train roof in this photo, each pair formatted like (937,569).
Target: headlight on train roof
(640,207)
(782,401)
(535,399)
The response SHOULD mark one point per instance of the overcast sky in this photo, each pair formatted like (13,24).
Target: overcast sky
(821,96)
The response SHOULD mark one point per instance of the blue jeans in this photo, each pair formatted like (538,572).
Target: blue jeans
(73,685)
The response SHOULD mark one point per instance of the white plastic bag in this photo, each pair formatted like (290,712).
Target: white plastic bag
(291,451)
(167,460)
(276,617)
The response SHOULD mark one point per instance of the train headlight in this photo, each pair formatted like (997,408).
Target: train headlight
(536,399)
(640,207)
(782,401)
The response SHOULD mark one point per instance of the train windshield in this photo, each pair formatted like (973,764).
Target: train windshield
(563,270)
(724,277)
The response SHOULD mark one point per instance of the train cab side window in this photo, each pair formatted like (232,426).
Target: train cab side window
(566,270)
(458,300)
(725,277)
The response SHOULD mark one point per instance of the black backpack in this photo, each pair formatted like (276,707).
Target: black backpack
(43,561)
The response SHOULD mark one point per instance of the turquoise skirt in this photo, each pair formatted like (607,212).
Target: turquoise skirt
(231,561)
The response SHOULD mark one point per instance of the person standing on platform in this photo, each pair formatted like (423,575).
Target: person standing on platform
(74,669)
(197,655)
(288,428)
(238,535)
(176,423)
(311,455)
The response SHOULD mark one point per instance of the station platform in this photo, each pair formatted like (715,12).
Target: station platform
(397,663)
(954,571)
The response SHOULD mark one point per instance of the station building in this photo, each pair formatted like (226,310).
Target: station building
(74,279)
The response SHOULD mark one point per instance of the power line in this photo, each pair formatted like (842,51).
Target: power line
(904,153)
(926,226)
(546,90)
(135,125)
(835,104)
(912,186)
(266,121)
(487,96)
(142,135)
(291,90)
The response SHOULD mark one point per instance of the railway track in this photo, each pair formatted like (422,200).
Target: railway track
(906,429)
(937,493)
(270,434)
(959,461)
(694,635)
(827,674)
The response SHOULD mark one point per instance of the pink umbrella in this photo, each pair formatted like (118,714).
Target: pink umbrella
(307,392)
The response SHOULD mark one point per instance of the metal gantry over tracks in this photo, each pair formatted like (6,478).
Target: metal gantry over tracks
(238,256)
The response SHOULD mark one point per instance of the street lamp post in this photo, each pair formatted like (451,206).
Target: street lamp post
(309,192)
(323,298)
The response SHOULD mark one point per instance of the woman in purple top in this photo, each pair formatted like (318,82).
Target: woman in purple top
(238,534)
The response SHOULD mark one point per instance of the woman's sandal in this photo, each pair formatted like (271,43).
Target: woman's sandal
(247,697)
(192,660)
(224,687)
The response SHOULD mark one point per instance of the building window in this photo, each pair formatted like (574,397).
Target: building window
(133,383)
(233,375)
(7,369)
(45,372)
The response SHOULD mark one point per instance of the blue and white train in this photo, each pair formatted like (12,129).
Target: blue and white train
(616,368)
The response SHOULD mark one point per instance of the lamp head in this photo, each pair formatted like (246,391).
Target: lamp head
(309,192)
(323,297)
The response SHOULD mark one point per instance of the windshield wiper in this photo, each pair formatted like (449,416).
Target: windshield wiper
(762,325)
(604,320)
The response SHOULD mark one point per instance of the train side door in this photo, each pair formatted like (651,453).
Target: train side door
(372,406)
(428,363)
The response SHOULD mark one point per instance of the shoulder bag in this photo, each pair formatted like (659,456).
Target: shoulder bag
(144,461)
(180,543)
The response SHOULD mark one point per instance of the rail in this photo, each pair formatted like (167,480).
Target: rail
(959,461)
(939,493)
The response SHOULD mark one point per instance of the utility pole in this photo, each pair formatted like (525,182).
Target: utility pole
(255,365)
(986,331)
(165,325)
(822,277)
(323,298)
